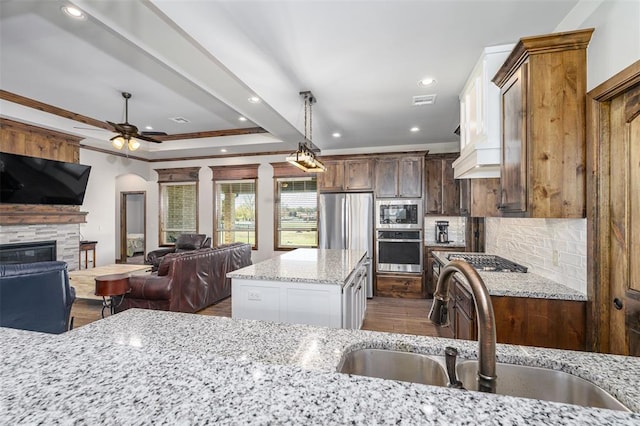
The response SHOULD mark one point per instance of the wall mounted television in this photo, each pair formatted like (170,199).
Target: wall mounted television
(31,180)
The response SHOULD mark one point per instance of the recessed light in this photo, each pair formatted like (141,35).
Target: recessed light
(427,82)
(223,150)
(254,100)
(148,127)
(336,134)
(241,118)
(415,129)
(73,12)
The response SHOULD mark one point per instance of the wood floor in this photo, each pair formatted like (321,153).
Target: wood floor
(408,316)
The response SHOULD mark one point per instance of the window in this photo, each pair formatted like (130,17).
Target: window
(178,203)
(178,210)
(296,212)
(235,212)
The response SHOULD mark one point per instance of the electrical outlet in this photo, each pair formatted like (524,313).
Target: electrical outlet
(254,295)
(555,258)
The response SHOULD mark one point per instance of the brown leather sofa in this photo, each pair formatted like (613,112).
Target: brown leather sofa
(185,242)
(188,281)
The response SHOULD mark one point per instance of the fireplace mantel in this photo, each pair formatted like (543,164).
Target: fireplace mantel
(27,214)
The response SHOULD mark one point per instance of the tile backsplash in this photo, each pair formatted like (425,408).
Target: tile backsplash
(553,248)
(457,227)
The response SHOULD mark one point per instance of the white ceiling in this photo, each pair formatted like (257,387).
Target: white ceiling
(201,60)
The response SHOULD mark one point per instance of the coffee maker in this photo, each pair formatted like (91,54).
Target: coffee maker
(442,231)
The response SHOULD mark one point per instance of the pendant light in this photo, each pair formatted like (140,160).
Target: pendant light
(304,158)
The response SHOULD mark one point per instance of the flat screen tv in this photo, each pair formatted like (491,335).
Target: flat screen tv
(31,180)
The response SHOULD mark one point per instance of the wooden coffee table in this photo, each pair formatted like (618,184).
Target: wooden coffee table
(112,289)
(84,281)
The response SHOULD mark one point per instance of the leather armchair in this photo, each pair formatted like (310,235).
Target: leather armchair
(185,242)
(36,297)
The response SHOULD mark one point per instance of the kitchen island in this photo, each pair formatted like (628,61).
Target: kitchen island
(324,287)
(153,367)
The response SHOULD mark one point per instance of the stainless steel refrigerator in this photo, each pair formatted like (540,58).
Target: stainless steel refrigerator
(346,222)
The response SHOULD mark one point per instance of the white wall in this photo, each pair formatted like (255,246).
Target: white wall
(615,43)
(111,175)
(102,202)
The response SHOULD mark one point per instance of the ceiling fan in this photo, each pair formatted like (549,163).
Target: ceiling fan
(128,133)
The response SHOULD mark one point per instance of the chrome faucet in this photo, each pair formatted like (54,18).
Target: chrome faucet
(484,312)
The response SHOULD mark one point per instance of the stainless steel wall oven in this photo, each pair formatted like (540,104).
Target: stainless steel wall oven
(399,251)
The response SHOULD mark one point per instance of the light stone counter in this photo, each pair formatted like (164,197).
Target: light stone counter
(152,367)
(322,266)
(516,284)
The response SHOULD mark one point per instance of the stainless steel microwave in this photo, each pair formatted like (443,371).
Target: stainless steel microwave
(399,214)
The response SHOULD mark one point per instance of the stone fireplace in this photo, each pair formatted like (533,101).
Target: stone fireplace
(66,237)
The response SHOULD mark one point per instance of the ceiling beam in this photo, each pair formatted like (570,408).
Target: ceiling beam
(32,103)
(210,134)
(41,106)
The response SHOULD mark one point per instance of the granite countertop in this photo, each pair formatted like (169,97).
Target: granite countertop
(516,284)
(452,244)
(323,266)
(153,367)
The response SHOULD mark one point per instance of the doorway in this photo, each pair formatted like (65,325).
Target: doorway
(133,225)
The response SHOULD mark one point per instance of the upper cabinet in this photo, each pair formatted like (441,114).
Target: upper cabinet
(480,118)
(398,177)
(442,190)
(542,97)
(346,175)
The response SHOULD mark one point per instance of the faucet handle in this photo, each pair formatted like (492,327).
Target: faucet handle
(451,354)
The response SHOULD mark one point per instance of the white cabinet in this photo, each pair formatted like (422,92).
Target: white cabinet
(329,305)
(354,299)
(480,118)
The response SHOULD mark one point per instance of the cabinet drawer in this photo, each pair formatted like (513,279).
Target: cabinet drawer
(399,286)
(464,300)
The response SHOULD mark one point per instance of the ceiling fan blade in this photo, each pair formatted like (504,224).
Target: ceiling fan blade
(152,134)
(116,127)
(146,138)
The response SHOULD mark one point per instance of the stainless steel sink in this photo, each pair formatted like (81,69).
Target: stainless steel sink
(514,380)
(395,365)
(541,383)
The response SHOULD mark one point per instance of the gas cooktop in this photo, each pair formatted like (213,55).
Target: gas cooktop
(488,262)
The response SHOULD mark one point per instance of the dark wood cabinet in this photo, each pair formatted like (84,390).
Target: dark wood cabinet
(543,103)
(410,177)
(346,175)
(464,322)
(398,177)
(332,180)
(513,170)
(358,175)
(406,286)
(442,189)
(547,323)
(480,197)
(430,279)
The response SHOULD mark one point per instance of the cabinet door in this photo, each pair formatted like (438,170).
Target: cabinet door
(465,196)
(358,175)
(513,169)
(386,177)
(450,190)
(485,197)
(465,314)
(332,180)
(410,177)
(433,178)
